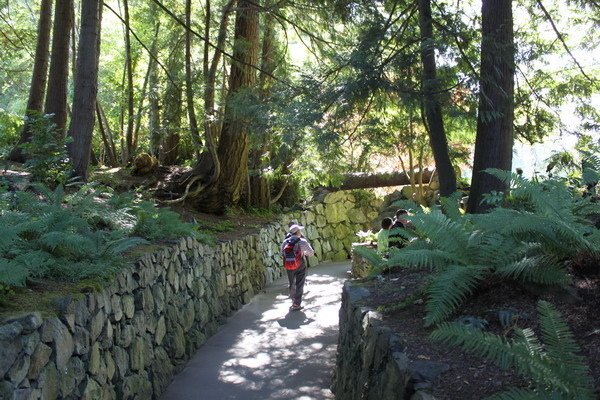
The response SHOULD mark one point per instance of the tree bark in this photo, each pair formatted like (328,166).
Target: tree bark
(259,188)
(211,76)
(494,141)
(129,68)
(367,181)
(107,136)
(56,98)
(189,90)
(145,86)
(154,112)
(171,122)
(38,78)
(433,111)
(233,143)
(86,87)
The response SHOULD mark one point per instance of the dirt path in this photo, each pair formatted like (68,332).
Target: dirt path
(266,351)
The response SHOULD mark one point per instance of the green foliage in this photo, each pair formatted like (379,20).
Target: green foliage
(553,365)
(541,226)
(159,223)
(49,233)
(10,125)
(46,153)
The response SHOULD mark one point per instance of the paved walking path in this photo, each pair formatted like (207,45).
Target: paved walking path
(266,351)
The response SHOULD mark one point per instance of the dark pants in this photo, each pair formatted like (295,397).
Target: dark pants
(296,279)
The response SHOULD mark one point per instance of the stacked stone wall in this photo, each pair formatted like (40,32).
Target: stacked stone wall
(128,339)
(371,360)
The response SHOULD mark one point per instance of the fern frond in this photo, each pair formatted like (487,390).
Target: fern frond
(555,369)
(480,343)
(543,269)
(119,246)
(13,273)
(372,257)
(449,288)
(562,349)
(421,258)
(444,233)
(451,206)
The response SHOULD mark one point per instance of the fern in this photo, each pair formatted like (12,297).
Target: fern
(554,368)
(449,289)
(49,233)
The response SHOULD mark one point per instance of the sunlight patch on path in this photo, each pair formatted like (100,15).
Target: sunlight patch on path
(268,352)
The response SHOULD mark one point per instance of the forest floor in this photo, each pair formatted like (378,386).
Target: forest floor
(468,377)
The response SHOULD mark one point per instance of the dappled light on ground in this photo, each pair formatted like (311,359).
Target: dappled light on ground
(274,353)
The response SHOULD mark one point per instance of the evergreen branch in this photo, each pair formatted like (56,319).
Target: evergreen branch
(562,40)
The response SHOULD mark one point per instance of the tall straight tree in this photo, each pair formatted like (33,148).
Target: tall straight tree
(494,141)
(431,105)
(189,89)
(86,87)
(38,78)
(128,151)
(172,110)
(56,97)
(233,143)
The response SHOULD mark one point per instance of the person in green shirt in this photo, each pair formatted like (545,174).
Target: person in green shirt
(383,241)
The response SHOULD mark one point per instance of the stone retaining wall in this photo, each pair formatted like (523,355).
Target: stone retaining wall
(371,363)
(127,340)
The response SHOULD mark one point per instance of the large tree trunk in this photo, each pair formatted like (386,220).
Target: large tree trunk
(494,141)
(38,78)
(433,111)
(233,143)
(367,181)
(56,98)
(86,87)
(259,188)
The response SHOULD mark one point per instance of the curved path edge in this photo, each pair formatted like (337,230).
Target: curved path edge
(265,351)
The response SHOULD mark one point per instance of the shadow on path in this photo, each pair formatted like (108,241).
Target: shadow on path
(266,351)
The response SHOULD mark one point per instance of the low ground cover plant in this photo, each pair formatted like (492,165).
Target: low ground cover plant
(73,236)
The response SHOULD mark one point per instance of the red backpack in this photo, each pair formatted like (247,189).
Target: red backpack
(292,254)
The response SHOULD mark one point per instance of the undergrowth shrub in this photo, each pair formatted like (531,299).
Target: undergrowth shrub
(49,233)
(46,153)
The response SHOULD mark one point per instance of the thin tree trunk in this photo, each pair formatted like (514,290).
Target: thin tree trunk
(56,98)
(130,103)
(109,148)
(210,78)
(38,78)
(145,89)
(171,122)
(494,141)
(86,87)
(109,132)
(433,111)
(154,112)
(189,92)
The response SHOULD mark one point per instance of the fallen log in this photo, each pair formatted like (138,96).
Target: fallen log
(367,181)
